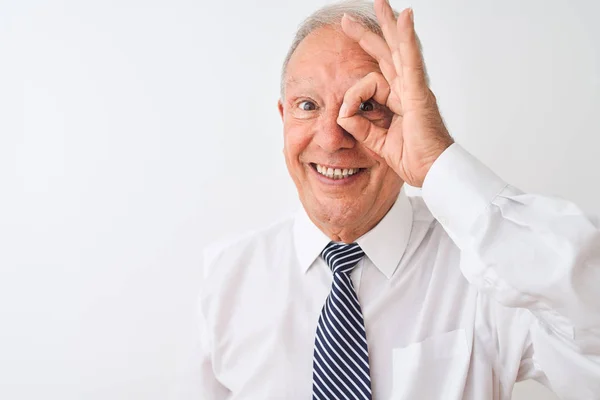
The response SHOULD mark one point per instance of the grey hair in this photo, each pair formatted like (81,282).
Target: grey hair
(331,15)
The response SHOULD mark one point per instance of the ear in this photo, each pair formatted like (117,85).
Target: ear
(280,108)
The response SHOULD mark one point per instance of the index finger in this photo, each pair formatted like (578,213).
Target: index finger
(372,86)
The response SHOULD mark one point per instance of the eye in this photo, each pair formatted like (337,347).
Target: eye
(307,105)
(366,106)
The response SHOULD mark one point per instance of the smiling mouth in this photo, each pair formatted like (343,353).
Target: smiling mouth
(336,173)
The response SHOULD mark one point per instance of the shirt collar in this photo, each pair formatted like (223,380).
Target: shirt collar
(384,244)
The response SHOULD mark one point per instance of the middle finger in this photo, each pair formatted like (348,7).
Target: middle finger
(387,21)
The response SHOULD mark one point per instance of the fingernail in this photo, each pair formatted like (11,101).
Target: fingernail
(350,17)
(411,14)
(343,110)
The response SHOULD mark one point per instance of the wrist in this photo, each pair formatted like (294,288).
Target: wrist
(432,156)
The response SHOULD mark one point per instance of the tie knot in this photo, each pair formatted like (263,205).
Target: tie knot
(341,257)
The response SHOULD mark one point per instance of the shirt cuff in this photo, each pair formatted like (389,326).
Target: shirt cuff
(458,188)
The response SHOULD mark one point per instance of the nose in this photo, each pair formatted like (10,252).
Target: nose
(330,136)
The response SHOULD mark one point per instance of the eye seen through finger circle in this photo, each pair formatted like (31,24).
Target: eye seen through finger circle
(367,106)
(377,113)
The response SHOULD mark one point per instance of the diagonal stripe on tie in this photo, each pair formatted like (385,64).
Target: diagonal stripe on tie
(341,357)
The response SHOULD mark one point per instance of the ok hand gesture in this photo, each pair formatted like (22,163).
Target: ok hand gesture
(417,134)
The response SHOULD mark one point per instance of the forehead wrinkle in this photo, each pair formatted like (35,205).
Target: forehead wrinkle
(325,64)
(329,76)
(324,55)
(299,80)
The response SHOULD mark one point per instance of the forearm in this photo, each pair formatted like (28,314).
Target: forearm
(525,250)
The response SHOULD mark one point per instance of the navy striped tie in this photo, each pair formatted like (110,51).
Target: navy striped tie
(341,357)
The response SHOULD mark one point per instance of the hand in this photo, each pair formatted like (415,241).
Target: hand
(417,134)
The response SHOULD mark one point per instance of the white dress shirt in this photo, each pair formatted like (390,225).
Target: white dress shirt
(464,291)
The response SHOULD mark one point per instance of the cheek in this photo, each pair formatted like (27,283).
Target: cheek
(296,140)
(373,156)
(390,184)
(297,137)
(384,179)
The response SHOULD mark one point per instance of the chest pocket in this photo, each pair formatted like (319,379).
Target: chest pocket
(433,369)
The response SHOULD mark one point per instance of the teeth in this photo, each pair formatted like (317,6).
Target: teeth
(337,173)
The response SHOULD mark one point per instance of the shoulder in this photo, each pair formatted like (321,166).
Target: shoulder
(243,249)
(243,266)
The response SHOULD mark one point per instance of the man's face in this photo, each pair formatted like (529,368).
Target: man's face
(342,184)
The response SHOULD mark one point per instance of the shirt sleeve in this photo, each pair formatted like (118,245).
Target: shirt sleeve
(532,252)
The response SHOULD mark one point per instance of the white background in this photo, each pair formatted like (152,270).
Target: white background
(134,132)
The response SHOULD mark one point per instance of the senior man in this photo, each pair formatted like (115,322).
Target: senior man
(367,293)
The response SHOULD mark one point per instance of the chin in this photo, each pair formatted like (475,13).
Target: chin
(337,212)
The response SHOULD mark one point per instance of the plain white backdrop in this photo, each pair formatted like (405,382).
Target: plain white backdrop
(132,133)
